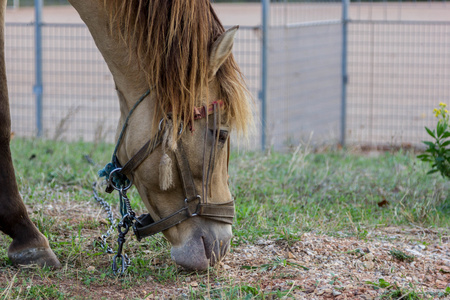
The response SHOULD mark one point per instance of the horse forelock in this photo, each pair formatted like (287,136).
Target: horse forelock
(171,40)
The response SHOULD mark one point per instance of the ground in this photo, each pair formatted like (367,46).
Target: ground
(311,266)
(308,226)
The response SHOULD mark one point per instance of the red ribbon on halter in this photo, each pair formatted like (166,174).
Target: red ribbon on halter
(200,112)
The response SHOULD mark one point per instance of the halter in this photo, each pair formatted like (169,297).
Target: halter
(118,178)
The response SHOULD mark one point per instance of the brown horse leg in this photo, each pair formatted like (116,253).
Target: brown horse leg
(29,246)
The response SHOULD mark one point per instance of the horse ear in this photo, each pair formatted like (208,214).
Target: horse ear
(220,50)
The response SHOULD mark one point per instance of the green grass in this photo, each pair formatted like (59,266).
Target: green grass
(281,195)
(278,197)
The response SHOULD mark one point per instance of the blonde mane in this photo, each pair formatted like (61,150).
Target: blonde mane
(171,40)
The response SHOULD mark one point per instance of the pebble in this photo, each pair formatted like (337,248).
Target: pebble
(369,265)
(369,256)
(419,247)
(90,269)
(336,293)
(440,284)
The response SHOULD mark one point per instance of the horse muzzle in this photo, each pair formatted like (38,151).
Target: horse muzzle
(205,247)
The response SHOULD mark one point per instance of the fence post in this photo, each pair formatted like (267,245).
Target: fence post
(345,4)
(38,88)
(264,50)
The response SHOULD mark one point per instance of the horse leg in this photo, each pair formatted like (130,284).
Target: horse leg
(29,246)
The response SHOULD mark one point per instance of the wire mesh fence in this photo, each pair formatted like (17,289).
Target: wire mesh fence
(80,100)
(304,73)
(79,95)
(398,69)
(292,13)
(304,84)
(19,53)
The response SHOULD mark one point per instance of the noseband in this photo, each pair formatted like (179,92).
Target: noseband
(118,178)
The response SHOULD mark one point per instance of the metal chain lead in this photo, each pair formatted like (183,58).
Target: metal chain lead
(130,211)
(109,213)
(125,261)
(122,227)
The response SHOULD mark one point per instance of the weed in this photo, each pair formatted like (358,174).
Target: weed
(393,291)
(401,256)
(380,284)
(288,237)
(275,264)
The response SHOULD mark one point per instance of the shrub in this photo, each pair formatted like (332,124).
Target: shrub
(438,151)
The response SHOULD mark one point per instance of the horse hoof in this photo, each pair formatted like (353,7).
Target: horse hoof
(35,256)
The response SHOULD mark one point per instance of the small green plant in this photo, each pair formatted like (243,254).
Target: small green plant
(438,152)
(401,256)
(394,291)
(380,284)
(275,264)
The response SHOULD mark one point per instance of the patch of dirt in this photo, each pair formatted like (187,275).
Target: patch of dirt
(324,267)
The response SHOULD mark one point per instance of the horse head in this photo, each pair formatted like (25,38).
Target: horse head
(180,93)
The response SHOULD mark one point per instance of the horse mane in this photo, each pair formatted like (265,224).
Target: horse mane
(171,40)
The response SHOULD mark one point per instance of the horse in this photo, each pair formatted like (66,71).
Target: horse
(29,246)
(179,89)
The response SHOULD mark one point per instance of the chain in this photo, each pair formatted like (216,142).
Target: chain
(126,209)
(125,261)
(129,216)
(110,215)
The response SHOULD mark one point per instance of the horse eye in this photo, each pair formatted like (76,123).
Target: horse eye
(223,135)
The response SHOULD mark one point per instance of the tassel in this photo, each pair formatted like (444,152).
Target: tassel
(165,172)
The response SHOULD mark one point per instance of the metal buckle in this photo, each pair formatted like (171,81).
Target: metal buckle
(111,182)
(186,205)
(179,131)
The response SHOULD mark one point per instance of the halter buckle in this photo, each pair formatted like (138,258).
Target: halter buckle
(186,206)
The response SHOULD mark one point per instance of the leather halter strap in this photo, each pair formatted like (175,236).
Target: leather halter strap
(193,206)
